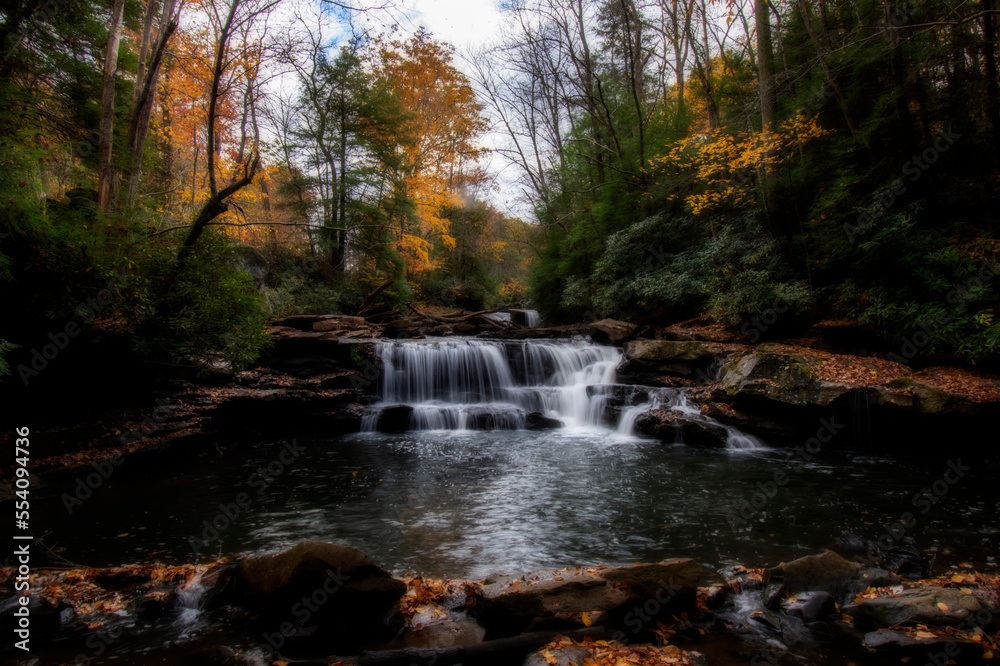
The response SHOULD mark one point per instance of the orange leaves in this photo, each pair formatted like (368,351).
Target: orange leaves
(613,653)
(445,124)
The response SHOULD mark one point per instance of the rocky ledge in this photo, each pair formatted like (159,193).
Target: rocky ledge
(332,600)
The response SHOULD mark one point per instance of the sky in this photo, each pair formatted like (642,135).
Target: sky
(463,23)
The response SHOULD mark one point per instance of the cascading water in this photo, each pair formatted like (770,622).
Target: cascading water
(489,384)
(460,384)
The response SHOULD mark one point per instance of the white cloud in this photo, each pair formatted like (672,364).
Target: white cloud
(463,23)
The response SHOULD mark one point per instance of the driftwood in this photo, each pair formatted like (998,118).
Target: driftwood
(500,651)
(365,304)
(462,318)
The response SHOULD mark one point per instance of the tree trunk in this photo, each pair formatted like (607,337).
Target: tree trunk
(105,171)
(990,61)
(765,65)
(147,35)
(138,126)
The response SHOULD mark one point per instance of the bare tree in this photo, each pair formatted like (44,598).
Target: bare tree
(105,171)
(237,15)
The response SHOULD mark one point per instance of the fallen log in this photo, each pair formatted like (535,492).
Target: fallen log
(365,304)
(504,651)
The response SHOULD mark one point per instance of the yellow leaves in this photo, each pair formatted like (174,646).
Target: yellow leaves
(726,164)
(943,607)
(586,619)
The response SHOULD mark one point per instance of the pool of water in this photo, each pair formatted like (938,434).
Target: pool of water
(471,503)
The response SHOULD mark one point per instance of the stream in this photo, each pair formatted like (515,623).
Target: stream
(465,491)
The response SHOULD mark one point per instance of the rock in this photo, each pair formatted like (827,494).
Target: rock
(660,351)
(285,409)
(248,260)
(340,323)
(675,427)
(304,353)
(394,419)
(930,399)
(611,598)
(347,380)
(611,331)
(906,563)
(653,362)
(564,656)
(538,421)
(716,596)
(924,605)
(936,650)
(353,598)
(827,572)
(810,606)
(769,619)
(781,377)
(528,318)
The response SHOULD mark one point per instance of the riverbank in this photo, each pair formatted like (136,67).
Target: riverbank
(320,603)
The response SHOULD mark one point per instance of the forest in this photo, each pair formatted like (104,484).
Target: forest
(834,160)
(616,331)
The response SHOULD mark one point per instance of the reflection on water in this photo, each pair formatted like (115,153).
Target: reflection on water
(466,504)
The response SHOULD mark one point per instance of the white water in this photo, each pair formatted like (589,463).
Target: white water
(459,384)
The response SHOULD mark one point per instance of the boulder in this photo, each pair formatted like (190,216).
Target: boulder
(538,421)
(923,605)
(248,260)
(352,597)
(394,419)
(781,377)
(929,399)
(610,597)
(611,331)
(810,606)
(921,650)
(827,572)
(676,427)
(654,362)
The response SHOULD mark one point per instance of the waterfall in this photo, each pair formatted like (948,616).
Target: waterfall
(677,400)
(471,384)
(532,318)
(458,383)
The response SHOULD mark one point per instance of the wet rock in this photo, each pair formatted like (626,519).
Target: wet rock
(936,650)
(810,606)
(676,427)
(827,572)
(716,596)
(394,419)
(350,598)
(611,598)
(906,563)
(522,317)
(538,421)
(925,605)
(768,619)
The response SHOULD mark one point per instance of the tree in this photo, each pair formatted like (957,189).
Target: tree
(446,123)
